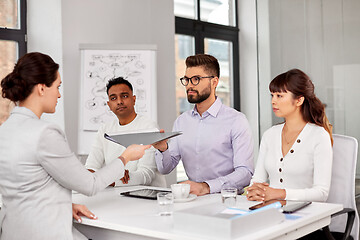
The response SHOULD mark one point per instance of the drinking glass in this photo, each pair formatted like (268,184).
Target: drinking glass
(165,203)
(228,196)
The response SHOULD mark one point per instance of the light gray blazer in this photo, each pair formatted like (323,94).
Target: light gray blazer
(37,173)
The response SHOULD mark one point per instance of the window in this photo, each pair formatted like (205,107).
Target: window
(184,47)
(207,26)
(12,43)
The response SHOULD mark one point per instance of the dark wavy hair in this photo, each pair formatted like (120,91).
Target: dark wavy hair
(210,63)
(31,69)
(300,85)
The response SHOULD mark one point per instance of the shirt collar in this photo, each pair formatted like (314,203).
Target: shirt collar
(24,111)
(213,109)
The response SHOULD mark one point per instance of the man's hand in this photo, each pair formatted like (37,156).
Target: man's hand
(125,179)
(198,188)
(162,146)
(81,210)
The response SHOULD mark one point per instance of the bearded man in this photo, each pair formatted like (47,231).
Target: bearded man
(216,146)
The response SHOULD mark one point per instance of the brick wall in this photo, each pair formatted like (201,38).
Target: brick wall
(8,50)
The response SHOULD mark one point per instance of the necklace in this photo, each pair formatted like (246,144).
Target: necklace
(292,139)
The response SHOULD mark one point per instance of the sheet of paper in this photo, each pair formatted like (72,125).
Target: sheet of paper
(141,138)
(234,211)
(229,213)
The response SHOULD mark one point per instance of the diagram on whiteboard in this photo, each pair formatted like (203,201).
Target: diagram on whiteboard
(99,66)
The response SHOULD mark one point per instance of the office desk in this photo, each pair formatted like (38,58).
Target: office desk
(122,217)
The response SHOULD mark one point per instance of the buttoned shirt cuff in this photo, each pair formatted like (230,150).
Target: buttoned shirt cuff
(161,154)
(215,185)
(159,157)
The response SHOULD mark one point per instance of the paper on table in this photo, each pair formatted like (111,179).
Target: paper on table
(140,138)
(234,211)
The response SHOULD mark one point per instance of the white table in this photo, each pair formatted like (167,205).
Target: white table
(122,217)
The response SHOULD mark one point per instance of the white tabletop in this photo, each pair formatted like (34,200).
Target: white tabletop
(133,218)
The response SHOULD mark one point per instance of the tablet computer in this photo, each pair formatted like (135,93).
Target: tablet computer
(143,193)
(293,206)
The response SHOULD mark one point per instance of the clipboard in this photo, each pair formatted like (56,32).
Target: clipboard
(140,138)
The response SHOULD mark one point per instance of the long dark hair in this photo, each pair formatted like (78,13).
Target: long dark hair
(300,85)
(30,70)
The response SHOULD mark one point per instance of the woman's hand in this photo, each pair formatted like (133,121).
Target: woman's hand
(262,192)
(274,193)
(256,192)
(81,210)
(134,152)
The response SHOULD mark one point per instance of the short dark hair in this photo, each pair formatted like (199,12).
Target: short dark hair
(31,69)
(116,81)
(210,63)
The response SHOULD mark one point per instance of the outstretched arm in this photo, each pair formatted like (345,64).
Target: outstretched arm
(167,156)
(61,163)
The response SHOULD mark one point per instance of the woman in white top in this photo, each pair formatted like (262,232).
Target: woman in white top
(38,169)
(295,158)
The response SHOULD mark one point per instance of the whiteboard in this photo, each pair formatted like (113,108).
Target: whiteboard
(99,64)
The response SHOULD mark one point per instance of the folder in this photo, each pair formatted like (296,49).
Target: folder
(140,138)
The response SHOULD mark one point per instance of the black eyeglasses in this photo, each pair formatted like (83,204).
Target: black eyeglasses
(194,80)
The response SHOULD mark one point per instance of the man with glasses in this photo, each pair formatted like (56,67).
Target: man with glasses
(216,146)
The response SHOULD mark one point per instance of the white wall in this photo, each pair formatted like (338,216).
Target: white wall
(313,35)
(118,22)
(248,66)
(322,38)
(45,35)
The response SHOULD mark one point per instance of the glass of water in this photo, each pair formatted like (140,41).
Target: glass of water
(165,203)
(228,196)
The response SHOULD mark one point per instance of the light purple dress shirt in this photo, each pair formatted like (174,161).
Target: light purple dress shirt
(216,148)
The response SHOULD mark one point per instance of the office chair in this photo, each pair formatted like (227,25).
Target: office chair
(342,189)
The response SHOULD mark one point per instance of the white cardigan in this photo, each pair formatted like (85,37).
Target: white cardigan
(305,171)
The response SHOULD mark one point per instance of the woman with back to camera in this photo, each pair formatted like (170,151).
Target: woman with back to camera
(295,157)
(38,169)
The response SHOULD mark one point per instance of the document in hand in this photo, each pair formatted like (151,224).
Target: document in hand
(140,138)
